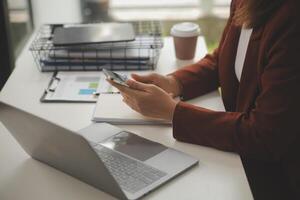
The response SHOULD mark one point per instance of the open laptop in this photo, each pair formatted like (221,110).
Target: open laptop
(113,160)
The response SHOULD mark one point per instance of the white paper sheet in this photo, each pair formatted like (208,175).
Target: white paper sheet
(78,86)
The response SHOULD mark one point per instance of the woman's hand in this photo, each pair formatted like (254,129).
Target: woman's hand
(147,99)
(167,83)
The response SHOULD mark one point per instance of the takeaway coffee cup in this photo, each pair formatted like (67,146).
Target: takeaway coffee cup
(185,39)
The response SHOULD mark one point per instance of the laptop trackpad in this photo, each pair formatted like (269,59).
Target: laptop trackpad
(133,145)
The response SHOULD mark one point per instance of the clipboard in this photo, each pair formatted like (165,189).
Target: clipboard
(76,87)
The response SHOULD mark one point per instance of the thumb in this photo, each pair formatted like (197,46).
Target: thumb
(172,94)
(143,79)
(137,85)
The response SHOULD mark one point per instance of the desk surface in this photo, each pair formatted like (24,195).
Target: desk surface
(219,175)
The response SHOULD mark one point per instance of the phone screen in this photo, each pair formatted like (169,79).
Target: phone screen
(117,78)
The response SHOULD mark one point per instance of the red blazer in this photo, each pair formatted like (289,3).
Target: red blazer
(262,120)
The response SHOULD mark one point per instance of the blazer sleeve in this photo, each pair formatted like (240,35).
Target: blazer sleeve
(271,128)
(202,75)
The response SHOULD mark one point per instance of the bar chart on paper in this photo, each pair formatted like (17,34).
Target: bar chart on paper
(77,87)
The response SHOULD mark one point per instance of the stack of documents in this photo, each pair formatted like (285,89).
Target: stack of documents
(139,54)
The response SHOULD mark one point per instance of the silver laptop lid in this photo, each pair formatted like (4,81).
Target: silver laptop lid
(59,148)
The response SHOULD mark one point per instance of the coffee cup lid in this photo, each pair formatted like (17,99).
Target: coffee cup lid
(186,29)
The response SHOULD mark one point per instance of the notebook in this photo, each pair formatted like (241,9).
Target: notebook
(111,109)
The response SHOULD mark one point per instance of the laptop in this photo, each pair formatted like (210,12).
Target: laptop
(113,160)
(93,33)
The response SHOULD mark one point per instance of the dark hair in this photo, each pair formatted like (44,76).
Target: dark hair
(254,13)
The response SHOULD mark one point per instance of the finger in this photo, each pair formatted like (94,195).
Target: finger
(126,90)
(120,87)
(131,104)
(138,85)
(143,79)
(172,94)
(128,104)
(132,101)
(129,100)
(124,95)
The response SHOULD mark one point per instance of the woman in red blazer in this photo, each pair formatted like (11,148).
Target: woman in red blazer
(262,105)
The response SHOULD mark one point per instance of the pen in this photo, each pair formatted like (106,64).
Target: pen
(98,93)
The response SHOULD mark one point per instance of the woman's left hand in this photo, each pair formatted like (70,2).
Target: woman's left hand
(147,99)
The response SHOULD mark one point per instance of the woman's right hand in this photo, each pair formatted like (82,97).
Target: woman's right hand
(167,83)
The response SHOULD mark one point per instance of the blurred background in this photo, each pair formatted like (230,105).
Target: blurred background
(19,18)
(211,15)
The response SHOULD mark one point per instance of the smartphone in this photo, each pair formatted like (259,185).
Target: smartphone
(115,77)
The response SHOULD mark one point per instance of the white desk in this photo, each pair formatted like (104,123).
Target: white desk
(220,175)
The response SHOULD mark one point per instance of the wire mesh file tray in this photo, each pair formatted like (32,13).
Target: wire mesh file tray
(140,54)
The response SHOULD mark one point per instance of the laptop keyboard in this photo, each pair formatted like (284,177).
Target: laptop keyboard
(130,174)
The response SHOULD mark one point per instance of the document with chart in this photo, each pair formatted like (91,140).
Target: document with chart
(77,87)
